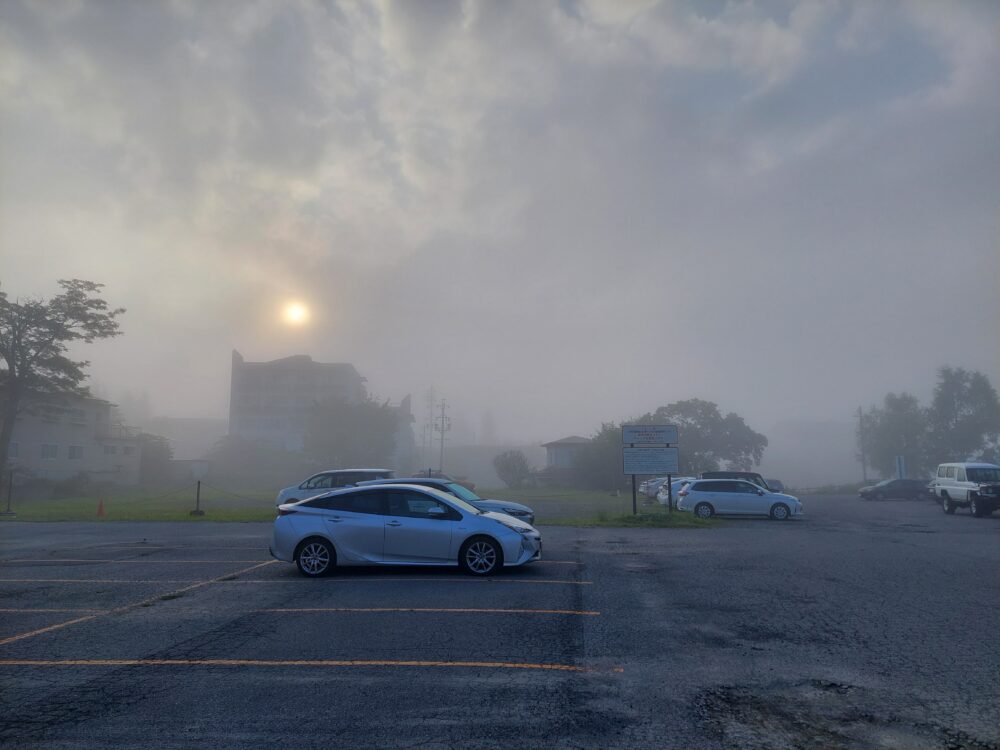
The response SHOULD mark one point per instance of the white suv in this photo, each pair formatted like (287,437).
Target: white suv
(968,485)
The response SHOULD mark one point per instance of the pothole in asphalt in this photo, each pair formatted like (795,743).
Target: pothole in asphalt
(819,713)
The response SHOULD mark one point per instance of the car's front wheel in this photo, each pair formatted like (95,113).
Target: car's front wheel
(315,558)
(976,507)
(704,510)
(780,512)
(480,556)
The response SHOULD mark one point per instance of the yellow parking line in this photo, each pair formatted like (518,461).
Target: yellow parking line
(10,610)
(126,608)
(155,562)
(292,580)
(292,663)
(449,610)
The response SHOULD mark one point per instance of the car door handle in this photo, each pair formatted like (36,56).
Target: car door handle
(393,523)
(334,519)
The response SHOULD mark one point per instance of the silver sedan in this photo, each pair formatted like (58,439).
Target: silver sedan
(399,524)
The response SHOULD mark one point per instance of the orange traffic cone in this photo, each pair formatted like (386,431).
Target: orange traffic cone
(100,509)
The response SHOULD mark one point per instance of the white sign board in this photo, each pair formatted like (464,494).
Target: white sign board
(645,459)
(649,433)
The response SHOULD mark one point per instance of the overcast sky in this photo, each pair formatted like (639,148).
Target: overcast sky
(561,212)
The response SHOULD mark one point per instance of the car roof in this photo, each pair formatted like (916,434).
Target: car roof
(370,485)
(407,480)
(972,465)
(724,479)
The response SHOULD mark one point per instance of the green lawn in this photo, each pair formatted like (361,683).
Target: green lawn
(175,506)
(552,507)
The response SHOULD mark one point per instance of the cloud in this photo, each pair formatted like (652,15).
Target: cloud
(564,212)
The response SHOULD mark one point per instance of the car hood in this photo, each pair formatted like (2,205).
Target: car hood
(783,496)
(509,520)
(492,504)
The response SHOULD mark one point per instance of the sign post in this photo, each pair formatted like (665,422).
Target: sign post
(647,449)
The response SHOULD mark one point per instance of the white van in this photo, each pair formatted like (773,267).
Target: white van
(975,486)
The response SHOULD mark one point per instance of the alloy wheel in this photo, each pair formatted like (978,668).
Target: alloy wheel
(481,557)
(314,559)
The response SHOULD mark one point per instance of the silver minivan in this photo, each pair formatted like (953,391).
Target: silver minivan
(975,486)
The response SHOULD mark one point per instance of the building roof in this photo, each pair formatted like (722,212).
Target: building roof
(571,440)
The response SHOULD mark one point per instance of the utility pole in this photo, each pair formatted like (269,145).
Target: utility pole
(442,424)
(861,445)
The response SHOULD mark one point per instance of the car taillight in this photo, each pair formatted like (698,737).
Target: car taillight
(682,493)
(285,512)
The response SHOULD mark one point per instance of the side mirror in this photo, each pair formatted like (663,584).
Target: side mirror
(760,492)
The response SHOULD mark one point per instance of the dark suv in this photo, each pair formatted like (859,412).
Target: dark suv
(750,476)
(911,489)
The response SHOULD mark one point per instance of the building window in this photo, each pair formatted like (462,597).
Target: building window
(128,450)
(78,415)
(50,451)
(76,452)
(12,450)
(110,450)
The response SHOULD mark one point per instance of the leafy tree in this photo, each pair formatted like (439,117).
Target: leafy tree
(897,428)
(599,462)
(154,458)
(237,462)
(34,337)
(964,416)
(709,440)
(346,434)
(512,468)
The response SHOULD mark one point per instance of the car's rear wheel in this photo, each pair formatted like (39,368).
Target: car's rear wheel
(947,505)
(480,556)
(315,557)
(704,510)
(780,512)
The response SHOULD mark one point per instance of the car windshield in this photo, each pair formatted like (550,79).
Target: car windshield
(884,482)
(463,493)
(983,475)
(462,504)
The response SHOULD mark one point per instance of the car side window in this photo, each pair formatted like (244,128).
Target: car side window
(372,503)
(320,482)
(417,505)
(960,473)
(749,488)
(724,487)
(940,471)
(950,472)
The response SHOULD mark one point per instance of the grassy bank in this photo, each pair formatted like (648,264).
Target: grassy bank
(552,507)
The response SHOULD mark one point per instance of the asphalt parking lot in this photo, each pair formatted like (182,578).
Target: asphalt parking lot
(863,625)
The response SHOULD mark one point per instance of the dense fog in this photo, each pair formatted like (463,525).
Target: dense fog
(554,215)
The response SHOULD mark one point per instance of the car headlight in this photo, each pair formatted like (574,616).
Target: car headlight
(518,529)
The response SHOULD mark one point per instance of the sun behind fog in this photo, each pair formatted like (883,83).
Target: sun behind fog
(295,314)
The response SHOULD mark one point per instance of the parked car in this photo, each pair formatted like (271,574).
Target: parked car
(749,476)
(676,486)
(775,484)
(650,487)
(517,510)
(399,524)
(708,497)
(435,474)
(975,486)
(910,489)
(328,480)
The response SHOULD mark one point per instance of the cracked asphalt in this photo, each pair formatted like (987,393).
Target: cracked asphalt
(862,625)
